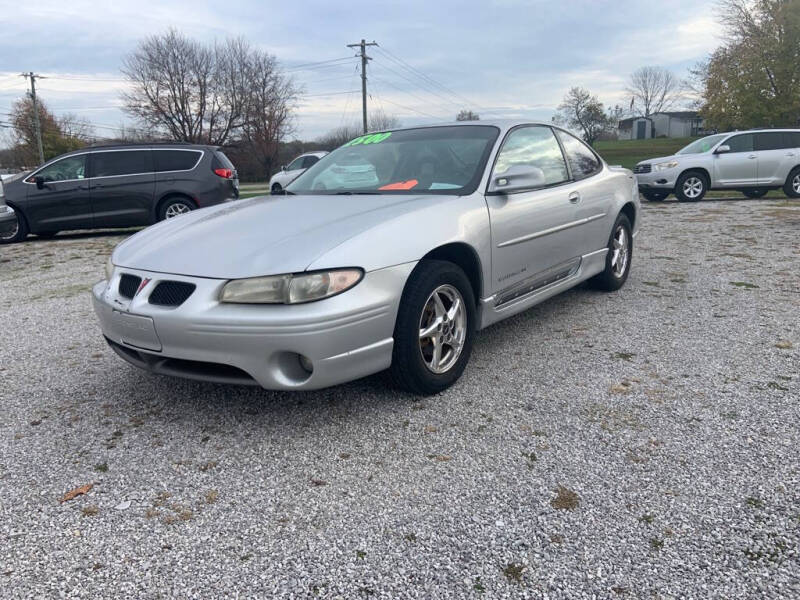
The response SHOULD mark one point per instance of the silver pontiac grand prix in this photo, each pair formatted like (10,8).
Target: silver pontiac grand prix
(388,253)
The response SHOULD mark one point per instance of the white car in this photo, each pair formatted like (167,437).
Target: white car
(289,173)
(752,162)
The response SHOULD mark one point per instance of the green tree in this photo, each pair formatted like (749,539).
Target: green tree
(753,79)
(583,112)
(59,134)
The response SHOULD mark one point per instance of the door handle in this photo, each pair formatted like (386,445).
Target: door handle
(752,156)
(790,154)
(83,187)
(575,197)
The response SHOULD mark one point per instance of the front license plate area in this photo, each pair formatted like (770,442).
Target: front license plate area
(136,330)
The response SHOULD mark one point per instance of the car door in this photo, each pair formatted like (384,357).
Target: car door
(64,200)
(739,166)
(595,194)
(532,236)
(123,184)
(776,156)
(293,171)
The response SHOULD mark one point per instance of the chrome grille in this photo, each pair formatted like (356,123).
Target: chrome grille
(645,168)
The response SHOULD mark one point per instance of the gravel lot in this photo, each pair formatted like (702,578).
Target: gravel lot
(638,444)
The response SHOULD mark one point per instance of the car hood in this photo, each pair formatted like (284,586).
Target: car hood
(652,161)
(260,236)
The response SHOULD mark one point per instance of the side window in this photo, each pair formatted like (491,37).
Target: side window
(791,139)
(533,147)
(741,143)
(127,162)
(310,161)
(769,141)
(297,163)
(73,167)
(176,160)
(582,161)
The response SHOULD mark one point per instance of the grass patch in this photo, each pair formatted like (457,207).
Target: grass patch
(629,152)
(565,499)
(744,284)
(513,572)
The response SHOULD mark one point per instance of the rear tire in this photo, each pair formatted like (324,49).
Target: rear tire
(755,193)
(18,234)
(175,206)
(435,328)
(792,186)
(653,196)
(276,188)
(691,186)
(618,258)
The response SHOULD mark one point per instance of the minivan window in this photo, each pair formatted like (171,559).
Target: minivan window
(582,161)
(127,162)
(176,160)
(534,146)
(770,141)
(741,143)
(791,139)
(72,167)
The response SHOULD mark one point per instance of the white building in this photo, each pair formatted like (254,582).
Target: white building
(676,124)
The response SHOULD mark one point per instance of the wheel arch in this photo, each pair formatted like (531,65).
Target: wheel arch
(702,170)
(629,210)
(169,196)
(466,257)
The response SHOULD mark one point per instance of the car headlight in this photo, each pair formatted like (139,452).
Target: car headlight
(663,166)
(290,289)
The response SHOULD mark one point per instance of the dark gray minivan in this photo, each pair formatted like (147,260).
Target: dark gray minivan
(118,186)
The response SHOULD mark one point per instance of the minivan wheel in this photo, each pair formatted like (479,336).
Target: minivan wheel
(755,192)
(691,187)
(792,185)
(276,188)
(435,328)
(174,207)
(618,258)
(18,233)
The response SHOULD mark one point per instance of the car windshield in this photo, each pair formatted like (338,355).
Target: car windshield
(438,160)
(702,145)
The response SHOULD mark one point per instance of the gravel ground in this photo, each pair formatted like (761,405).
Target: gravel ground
(637,444)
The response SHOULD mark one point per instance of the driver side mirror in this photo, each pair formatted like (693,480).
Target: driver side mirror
(40,184)
(724,149)
(517,178)
(283,167)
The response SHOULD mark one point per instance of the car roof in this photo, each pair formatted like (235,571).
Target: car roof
(149,146)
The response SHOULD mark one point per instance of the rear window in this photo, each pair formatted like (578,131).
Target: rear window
(176,160)
(124,162)
(583,162)
(221,161)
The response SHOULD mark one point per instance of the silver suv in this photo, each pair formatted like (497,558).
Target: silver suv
(752,162)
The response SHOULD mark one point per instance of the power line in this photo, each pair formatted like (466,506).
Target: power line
(423,88)
(398,88)
(304,66)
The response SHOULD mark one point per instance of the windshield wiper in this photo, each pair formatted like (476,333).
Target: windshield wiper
(357,193)
(283,193)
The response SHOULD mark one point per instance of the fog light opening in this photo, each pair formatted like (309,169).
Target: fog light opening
(306,363)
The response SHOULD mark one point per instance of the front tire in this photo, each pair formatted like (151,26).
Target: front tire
(435,328)
(19,233)
(618,258)
(755,193)
(691,186)
(654,196)
(174,207)
(792,186)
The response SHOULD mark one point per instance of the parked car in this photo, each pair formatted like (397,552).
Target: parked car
(289,173)
(8,219)
(466,225)
(118,186)
(752,162)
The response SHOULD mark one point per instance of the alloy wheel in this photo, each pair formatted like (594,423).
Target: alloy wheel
(796,184)
(620,251)
(442,329)
(175,209)
(693,187)
(11,234)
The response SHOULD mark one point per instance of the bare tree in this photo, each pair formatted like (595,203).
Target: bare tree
(378,120)
(467,115)
(582,111)
(653,89)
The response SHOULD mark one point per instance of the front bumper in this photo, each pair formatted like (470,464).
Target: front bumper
(8,219)
(657,180)
(344,337)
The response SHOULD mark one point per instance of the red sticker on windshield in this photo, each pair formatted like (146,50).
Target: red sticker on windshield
(400,185)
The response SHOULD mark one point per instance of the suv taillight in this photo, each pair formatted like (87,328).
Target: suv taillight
(224,173)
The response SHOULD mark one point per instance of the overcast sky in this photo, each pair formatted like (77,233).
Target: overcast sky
(501,58)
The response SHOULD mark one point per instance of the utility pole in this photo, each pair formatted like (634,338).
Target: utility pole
(36,124)
(364,58)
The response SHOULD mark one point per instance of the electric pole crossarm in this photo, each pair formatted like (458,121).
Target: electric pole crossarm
(364,59)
